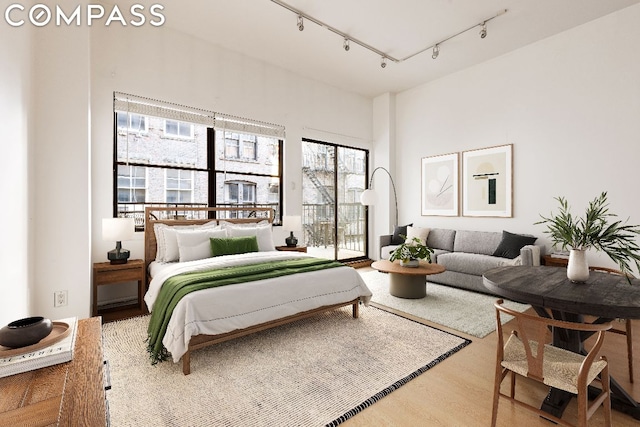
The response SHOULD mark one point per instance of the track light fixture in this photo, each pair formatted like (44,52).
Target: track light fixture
(436,52)
(347,39)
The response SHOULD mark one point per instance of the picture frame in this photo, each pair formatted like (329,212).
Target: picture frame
(487,182)
(440,185)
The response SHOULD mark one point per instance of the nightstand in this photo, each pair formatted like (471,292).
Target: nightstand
(107,274)
(292,248)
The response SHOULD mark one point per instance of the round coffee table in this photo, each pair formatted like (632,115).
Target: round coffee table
(407,282)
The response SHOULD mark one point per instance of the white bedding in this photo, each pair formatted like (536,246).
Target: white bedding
(227,308)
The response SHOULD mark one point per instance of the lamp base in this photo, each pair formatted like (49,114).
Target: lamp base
(118,256)
(291,241)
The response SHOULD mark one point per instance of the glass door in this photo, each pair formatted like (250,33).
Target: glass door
(333,218)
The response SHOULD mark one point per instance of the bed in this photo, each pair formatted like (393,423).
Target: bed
(174,249)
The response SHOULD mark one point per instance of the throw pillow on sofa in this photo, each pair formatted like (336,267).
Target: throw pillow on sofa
(511,244)
(419,232)
(400,230)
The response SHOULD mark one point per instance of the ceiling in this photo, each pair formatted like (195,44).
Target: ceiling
(264,30)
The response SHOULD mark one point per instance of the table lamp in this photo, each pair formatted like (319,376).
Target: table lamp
(118,229)
(292,223)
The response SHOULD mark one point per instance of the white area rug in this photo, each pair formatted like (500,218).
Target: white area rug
(314,372)
(464,311)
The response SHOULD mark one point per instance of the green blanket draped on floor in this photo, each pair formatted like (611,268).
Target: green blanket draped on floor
(180,285)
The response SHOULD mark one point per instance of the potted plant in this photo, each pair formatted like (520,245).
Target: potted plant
(597,229)
(410,252)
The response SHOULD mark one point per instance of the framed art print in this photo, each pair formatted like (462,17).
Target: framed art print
(487,181)
(440,185)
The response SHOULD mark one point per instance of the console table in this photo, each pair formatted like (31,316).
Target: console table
(547,289)
(63,394)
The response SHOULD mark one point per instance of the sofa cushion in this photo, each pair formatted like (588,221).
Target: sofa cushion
(437,253)
(468,263)
(441,238)
(511,244)
(400,230)
(477,242)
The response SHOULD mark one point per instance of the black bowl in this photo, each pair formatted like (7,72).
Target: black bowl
(24,332)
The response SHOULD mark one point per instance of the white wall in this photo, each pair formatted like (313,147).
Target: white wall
(60,167)
(164,64)
(15,87)
(569,104)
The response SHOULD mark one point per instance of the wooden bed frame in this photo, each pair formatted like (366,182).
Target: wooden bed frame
(199,216)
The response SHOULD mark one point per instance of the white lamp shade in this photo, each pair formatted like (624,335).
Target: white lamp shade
(117,229)
(292,223)
(368,197)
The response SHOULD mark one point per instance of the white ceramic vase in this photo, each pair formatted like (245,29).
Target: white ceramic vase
(578,269)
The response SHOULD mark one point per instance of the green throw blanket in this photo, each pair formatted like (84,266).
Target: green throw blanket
(180,285)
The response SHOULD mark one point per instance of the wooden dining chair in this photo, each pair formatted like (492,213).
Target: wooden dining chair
(627,324)
(529,353)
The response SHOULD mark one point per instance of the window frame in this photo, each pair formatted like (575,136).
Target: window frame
(210,170)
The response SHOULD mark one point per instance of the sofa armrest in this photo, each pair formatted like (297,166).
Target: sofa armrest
(530,255)
(385,240)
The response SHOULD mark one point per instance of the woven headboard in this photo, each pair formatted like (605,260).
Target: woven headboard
(195,216)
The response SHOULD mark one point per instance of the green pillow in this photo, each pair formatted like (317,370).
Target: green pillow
(233,245)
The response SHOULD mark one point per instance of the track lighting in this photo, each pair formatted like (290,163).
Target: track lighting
(347,40)
(483,31)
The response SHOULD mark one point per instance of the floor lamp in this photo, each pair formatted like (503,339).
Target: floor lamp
(369,197)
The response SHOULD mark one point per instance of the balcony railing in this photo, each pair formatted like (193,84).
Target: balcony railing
(319,226)
(136,210)
(317,220)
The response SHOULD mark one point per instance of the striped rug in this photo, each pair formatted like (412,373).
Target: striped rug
(314,372)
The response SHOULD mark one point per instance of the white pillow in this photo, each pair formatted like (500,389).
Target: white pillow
(166,242)
(195,244)
(263,234)
(419,232)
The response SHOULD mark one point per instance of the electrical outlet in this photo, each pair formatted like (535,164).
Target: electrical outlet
(60,298)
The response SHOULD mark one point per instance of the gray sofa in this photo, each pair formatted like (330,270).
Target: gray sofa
(466,255)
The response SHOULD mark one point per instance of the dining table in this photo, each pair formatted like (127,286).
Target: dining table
(601,298)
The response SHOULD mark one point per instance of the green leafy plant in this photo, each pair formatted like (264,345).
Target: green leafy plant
(598,229)
(413,249)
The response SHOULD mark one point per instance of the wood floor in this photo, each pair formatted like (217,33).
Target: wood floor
(458,391)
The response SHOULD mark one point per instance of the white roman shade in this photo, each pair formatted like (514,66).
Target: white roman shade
(152,107)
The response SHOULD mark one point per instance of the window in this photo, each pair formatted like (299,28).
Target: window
(232,146)
(274,192)
(173,128)
(240,192)
(241,147)
(249,148)
(179,186)
(198,165)
(333,179)
(132,122)
(131,184)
